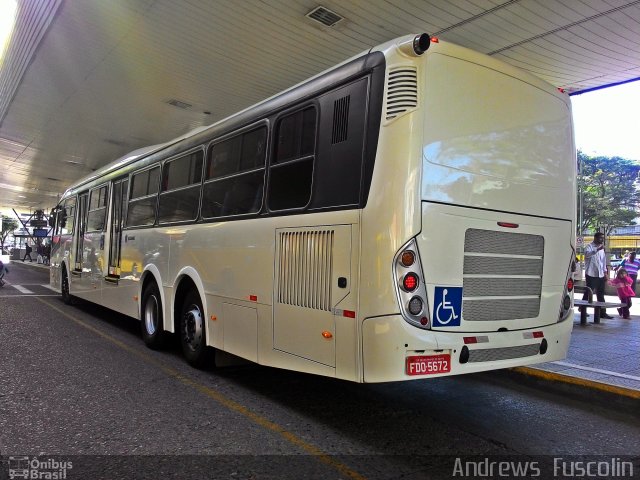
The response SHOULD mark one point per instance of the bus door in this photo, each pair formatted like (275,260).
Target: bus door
(78,234)
(78,285)
(116,216)
(313,267)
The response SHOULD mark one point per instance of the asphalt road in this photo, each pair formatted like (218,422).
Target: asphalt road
(78,383)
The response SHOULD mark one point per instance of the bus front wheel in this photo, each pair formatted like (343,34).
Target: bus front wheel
(192,331)
(64,288)
(152,325)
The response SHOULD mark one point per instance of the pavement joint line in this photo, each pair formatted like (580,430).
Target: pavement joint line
(30,295)
(596,370)
(21,289)
(558,377)
(220,398)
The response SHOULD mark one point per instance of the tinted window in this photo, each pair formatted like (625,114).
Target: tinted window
(182,172)
(291,174)
(142,206)
(97,208)
(224,157)
(233,196)
(66,217)
(240,161)
(296,135)
(145,183)
(180,194)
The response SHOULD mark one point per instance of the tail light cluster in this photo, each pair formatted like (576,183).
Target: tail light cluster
(410,286)
(566,302)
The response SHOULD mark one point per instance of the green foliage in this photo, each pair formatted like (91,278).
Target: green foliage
(8,225)
(610,196)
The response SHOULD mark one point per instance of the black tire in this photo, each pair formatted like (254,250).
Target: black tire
(151,318)
(64,288)
(193,332)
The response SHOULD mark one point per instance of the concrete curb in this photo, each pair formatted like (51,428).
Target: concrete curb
(580,382)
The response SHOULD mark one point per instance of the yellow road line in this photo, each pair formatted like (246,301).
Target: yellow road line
(558,377)
(220,398)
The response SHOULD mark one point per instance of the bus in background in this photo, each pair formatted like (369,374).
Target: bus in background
(406,214)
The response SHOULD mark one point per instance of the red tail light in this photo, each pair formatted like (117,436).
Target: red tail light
(570,284)
(410,282)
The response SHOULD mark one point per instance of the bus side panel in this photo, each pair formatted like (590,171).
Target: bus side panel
(235,261)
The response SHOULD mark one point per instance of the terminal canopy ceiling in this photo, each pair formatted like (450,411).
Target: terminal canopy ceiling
(84,82)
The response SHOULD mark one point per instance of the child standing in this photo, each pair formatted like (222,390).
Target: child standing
(623,283)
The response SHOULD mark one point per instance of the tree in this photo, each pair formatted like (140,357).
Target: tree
(610,195)
(8,226)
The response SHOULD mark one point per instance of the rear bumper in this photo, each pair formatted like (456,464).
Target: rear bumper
(389,340)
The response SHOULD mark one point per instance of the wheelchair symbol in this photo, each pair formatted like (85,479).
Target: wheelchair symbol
(448,305)
(444,306)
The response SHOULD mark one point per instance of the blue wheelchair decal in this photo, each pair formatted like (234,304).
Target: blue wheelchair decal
(447,307)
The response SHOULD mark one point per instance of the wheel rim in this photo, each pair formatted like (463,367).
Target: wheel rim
(151,315)
(192,328)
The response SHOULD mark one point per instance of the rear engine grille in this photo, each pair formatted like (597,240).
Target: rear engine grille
(502,276)
(304,268)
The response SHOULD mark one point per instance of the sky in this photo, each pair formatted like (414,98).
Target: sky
(607,121)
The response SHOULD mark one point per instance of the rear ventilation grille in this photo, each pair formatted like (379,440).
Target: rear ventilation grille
(340,119)
(324,16)
(502,275)
(402,91)
(304,268)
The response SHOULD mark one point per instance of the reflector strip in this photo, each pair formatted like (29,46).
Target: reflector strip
(508,225)
(253,298)
(480,339)
(533,335)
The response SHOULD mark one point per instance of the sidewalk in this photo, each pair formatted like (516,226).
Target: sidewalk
(603,356)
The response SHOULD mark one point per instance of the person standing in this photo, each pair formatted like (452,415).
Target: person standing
(622,283)
(28,251)
(631,265)
(596,270)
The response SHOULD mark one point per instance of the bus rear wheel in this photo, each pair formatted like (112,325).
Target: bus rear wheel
(193,331)
(152,325)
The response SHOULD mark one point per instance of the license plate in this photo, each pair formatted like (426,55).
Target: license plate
(429,365)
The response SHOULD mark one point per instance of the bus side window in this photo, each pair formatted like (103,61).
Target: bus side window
(142,203)
(180,193)
(235,175)
(68,217)
(291,170)
(97,208)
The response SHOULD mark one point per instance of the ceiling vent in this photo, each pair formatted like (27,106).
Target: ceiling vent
(179,104)
(324,16)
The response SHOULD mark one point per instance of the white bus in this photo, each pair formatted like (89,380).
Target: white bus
(406,214)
